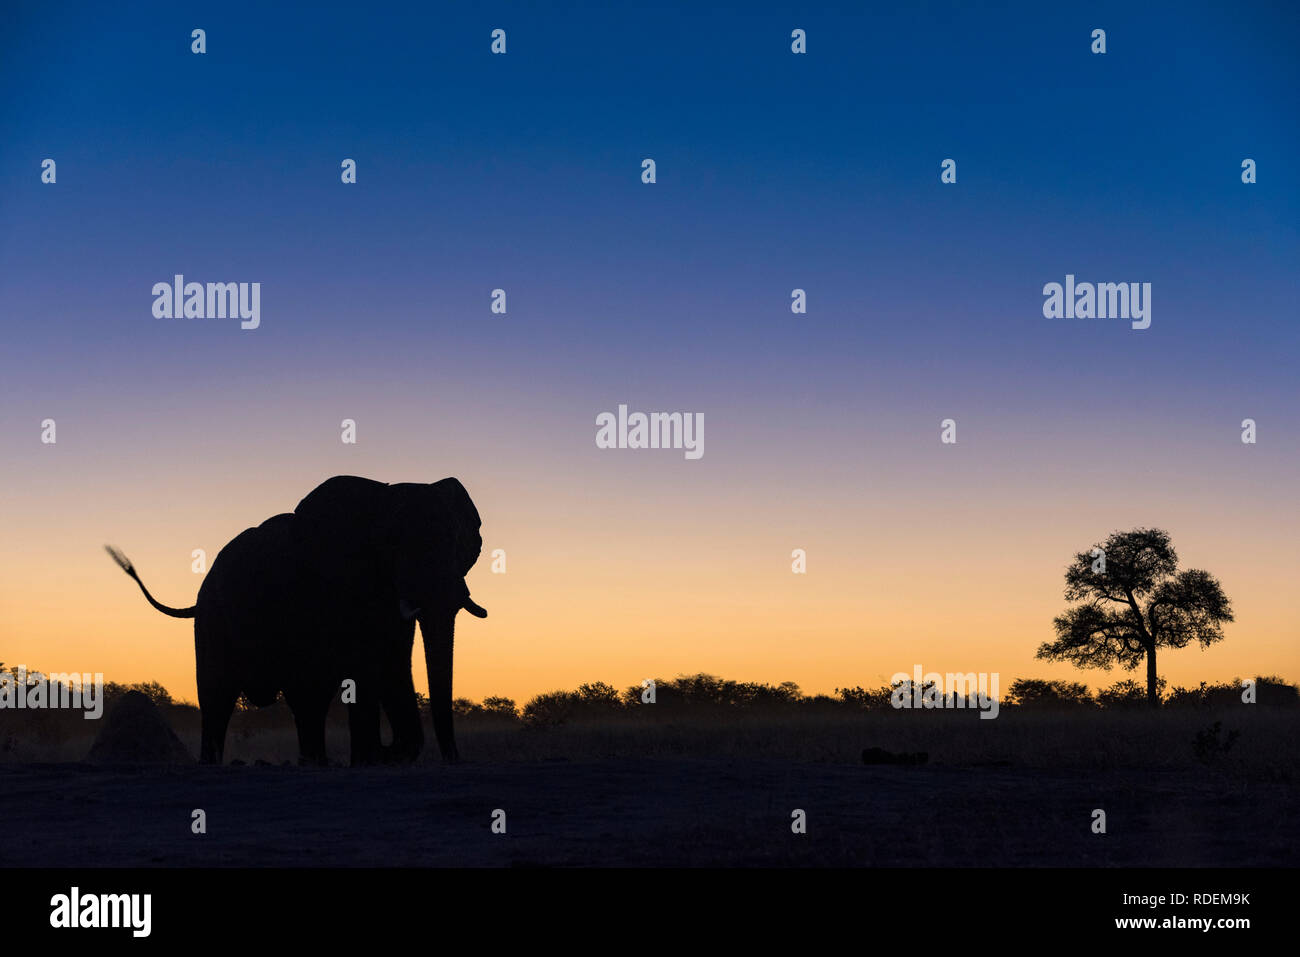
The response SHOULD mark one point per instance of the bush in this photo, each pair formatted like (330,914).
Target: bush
(1128,694)
(1208,747)
(550,709)
(1270,690)
(1044,694)
(501,707)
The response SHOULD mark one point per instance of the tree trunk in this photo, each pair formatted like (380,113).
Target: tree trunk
(1153,694)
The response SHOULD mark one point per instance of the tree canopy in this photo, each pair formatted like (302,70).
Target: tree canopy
(1133,600)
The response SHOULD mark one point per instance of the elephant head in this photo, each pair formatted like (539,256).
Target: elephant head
(436,543)
(404,550)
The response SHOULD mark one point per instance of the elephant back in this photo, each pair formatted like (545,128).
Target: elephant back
(344,531)
(255,567)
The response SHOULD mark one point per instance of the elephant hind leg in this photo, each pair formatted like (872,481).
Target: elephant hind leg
(363,724)
(215,706)
(403,710)
(408,735)
(309,711)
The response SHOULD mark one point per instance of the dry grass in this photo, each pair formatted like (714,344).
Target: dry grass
(1268,743)
(1267,746)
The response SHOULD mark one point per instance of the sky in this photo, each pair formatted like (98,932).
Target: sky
(774,171)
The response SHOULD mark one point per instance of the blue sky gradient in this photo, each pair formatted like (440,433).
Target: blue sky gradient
(775,171)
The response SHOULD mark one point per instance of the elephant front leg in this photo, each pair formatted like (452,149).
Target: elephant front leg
(309,711)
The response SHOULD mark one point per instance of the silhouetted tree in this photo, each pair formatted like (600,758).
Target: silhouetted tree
(1135,600)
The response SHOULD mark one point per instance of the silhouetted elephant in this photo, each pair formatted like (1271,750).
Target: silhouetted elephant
(333,591)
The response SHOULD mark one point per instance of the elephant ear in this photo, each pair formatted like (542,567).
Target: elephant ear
(463,521)
(345,531)
(458,502)
(437,538)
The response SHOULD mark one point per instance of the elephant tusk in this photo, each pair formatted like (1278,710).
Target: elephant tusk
(478,611)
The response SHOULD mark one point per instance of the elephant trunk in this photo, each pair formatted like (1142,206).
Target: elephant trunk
(438,631)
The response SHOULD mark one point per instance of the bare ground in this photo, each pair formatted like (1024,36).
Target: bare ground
(629,811)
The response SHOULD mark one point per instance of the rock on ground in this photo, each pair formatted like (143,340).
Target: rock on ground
(135,732)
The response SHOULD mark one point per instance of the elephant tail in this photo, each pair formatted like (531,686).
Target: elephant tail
(130,570)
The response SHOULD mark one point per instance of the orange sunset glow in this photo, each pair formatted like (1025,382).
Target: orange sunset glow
(946,557)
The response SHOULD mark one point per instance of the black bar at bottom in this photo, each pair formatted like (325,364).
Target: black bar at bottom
(867,906)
